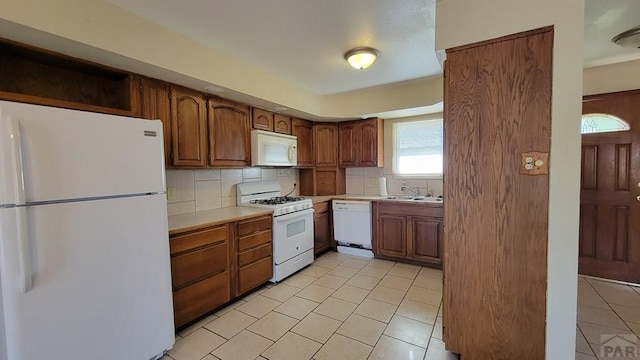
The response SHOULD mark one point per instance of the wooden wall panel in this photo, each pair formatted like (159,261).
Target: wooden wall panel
(495,219)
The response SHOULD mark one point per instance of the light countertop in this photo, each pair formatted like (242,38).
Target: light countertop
(193,221)
(201,219)
(317,199)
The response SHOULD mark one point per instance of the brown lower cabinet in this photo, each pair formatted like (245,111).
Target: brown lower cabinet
(213,265)
(253,254)
(321,227)
(199,272)
(407,231)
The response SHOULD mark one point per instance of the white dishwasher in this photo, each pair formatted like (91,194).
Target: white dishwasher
(352,227)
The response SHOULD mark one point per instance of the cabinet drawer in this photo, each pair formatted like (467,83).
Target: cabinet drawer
(248,242)
(181,243)
(254,225)
(200,298)
(409,209)
(321,207)
(195,265)
(254,255)
(255,274)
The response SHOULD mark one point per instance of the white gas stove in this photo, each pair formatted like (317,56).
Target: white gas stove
(292,225)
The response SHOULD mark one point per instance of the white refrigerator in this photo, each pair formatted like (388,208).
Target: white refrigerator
(84,249)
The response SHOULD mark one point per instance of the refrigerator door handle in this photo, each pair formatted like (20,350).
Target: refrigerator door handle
(16,155)
(24,251)
(26,279)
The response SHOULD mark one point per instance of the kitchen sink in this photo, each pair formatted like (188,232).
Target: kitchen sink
(427,198)
(416,198)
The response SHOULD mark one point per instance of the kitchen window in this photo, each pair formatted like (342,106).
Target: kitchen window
(417,148)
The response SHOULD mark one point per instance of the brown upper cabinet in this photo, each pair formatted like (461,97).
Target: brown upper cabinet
(282,124)
(262,119)
(303,130)
(153,103)
(188,128)
(37,76)
(268,121)
(361,143)
(349,143)
(325,144)
(322,181)
(372,142)
(229,131)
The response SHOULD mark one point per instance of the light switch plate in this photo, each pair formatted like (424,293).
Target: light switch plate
(534,163)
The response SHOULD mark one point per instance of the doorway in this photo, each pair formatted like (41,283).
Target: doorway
(610,187)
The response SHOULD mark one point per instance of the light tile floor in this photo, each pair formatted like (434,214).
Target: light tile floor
(345,307)
(604,308)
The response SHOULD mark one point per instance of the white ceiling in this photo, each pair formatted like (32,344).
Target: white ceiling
(605,19)
(303,41)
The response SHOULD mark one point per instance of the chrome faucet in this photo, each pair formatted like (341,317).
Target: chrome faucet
(414,191)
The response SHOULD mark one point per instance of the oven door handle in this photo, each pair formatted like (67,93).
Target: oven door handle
(294,215)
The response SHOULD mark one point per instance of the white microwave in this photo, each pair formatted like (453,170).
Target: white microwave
(273,149)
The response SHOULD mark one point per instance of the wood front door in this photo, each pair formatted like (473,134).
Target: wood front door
(609,190)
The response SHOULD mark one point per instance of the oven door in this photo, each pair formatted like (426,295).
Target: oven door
(292,235)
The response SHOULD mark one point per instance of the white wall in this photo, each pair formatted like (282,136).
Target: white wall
(200,190)
(611,78)
(364,181)
(460,22)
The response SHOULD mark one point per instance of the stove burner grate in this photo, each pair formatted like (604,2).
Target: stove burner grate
(278,200)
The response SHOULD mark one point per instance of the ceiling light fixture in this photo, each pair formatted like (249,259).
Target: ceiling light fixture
(629,38)
(361,57)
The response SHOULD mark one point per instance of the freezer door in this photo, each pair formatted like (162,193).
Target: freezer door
(101,281)
(69,154)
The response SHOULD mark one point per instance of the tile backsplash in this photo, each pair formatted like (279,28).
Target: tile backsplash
(198,190)
(364,181)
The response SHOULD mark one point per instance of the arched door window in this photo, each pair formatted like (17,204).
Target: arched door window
(599,123)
